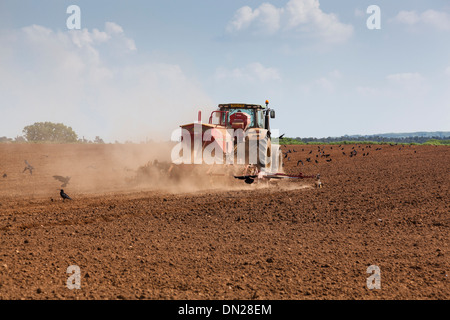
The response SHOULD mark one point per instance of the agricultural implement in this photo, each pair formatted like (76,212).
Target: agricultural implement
(236,142)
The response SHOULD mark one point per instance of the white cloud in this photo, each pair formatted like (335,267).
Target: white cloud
(252,72)
(405,78)
(410,82)
(100,36)
(437,19)
(114,30)
(407,86)
(111,28)
(324,84)
(298,17)
(242,19)
(266,17)
(407,17)
(269,17)
(72,77)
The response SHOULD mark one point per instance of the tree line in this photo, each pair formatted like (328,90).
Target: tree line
(49,132)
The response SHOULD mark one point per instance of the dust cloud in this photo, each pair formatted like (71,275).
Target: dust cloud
(96,169)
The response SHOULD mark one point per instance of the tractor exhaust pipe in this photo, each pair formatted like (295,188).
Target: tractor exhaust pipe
(266,119)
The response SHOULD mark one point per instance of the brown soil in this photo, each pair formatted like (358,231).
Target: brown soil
(292,241)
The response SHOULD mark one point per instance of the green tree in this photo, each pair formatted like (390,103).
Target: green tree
(20,139)
(98,140)
(5,139)
(49,132)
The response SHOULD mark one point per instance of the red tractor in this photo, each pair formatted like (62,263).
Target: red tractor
(237,140)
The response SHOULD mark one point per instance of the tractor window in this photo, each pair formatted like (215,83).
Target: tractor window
(223,119)
(251,112)
(260,118)
(218,117)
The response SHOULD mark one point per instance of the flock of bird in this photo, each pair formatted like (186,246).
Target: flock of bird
(321,154)
(64,180)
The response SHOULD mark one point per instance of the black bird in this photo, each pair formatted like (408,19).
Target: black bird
(328,160)
(28,167)
(285,155)
(299,161)
(310,152)
(248,179)
(5,175)
(64,180)
(64,195)
(316,161)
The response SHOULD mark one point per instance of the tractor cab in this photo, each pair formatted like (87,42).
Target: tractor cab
(242,116)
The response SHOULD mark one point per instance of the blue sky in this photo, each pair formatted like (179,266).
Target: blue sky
(138,69)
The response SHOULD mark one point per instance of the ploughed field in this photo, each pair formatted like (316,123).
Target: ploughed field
(143,239)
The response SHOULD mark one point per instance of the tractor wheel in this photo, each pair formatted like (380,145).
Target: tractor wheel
(265,153)
(277,159)
(258,152)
